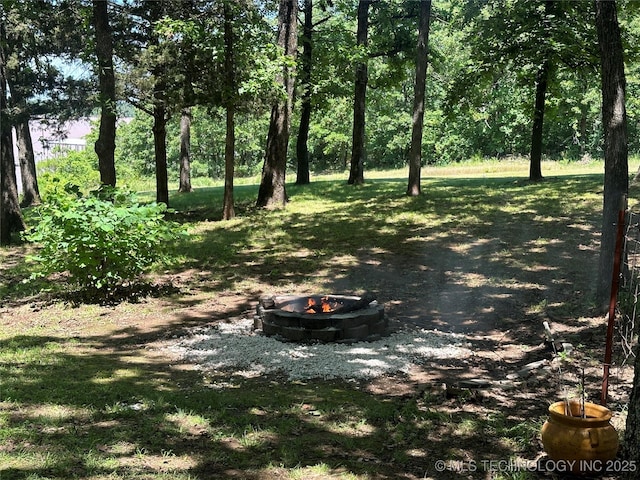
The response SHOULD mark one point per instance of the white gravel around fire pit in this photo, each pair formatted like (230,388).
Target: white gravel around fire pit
(235,346)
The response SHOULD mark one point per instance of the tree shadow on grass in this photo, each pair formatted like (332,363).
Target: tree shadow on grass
(87,408)
(472,256)
(484,257)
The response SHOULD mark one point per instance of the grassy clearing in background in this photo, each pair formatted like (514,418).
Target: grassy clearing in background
(516,167)
(331,223)
(80,397)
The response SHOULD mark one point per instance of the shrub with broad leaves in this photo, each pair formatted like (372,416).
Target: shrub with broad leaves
(103,240)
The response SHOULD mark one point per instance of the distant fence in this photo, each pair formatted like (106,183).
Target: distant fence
(58,148)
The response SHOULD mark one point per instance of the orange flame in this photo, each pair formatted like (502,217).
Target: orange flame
(325,306)
(309,307)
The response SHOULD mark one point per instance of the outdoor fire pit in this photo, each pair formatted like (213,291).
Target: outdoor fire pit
(321,318)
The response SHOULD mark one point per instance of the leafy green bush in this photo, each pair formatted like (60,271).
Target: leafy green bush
(103,240)
(73,167)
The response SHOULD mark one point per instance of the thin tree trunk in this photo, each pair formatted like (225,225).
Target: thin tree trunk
(582,129)
(614,121)
(185,150)
(302,147)
(415,151)
(535,161)
(106,144)
(272,192)
(358,153)
(160,149)
(26,157)
(228,210)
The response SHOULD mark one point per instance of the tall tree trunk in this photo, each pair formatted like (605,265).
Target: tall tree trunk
(302,147)
(26,157)
(160,149)
(415,151)
(228,210)
(535,160)
(106,144)
(185,150)
(272,192)
(11,219)
(614,121)
(616,185)
(358,153)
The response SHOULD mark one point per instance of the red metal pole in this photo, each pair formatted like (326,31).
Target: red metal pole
(613,299)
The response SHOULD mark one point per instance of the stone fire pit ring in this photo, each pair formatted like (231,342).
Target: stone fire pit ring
(301,319)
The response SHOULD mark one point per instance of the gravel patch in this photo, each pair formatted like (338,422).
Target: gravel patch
(237,347)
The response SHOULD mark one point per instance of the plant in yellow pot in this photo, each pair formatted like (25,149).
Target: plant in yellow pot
(577,434)
(580,435)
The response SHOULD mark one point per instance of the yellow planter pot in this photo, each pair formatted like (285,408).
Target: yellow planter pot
(584,445)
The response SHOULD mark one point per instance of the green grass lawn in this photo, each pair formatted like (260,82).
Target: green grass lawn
(85,394)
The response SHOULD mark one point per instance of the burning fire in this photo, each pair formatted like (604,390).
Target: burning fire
(325,306)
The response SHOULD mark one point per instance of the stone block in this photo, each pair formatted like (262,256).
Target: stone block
(325,334)
(296,334)
(360,333)
(379,327)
